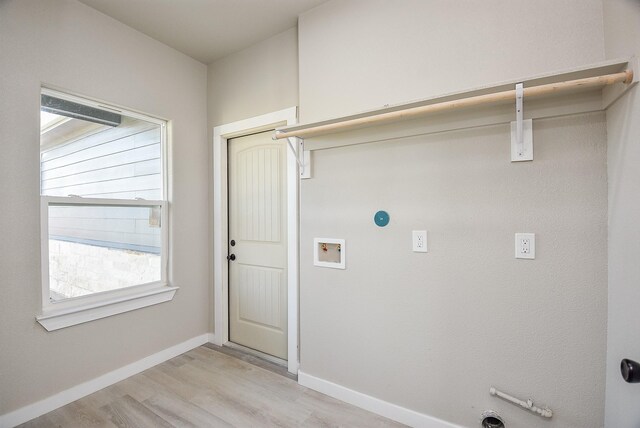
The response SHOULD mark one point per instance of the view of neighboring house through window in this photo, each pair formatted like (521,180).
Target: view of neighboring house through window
(102,188)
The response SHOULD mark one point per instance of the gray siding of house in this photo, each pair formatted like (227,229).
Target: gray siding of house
(121,163)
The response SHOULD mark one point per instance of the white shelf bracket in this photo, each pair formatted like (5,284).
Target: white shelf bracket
(295,151)
(303,158)
(305,171)
(519,117)
(521,131)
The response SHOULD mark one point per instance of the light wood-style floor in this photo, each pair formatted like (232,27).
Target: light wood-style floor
(206,388)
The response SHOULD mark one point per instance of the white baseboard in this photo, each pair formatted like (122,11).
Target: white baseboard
(372,404)
(62,398)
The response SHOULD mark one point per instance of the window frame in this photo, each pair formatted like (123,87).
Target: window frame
(76,310)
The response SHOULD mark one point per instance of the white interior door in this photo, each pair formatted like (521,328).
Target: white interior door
(258,243)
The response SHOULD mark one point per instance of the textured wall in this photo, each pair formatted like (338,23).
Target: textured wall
(358,55)
(71,46)
(432,332)
(260,79)
(622,37)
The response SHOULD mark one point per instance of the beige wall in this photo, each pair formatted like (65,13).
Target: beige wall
(358,55)
(260,79)
(73,47)
(622,39)
(432,332)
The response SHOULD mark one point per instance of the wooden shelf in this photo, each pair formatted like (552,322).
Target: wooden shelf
(613,77)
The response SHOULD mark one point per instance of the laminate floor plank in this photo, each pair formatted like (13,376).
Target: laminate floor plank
(241,414)
(136,387)
(105,395)
(257,399)
(79,415)
(263,382)
(328,411)
(40,421)
(182,413)
(180,360)
(126,412)
(253,359)
(282,386)
(164,378)
(208,388)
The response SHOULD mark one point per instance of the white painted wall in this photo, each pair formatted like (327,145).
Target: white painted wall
(359,55)
(374,328)
(622,38)
(68,45)
(258,80)
(432,332)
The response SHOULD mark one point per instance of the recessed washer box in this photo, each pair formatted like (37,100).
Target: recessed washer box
(329,252)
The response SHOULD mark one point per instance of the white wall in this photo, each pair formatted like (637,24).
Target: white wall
(71,46)
(622,39)
(432,332)
(260,79)
(358,55)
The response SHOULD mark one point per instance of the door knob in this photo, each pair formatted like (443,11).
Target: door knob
(231,257)
(232,243)
(630,371)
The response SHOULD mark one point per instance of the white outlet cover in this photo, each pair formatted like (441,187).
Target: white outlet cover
(525,246)
(419,241)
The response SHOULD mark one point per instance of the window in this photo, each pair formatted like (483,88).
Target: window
(104,210)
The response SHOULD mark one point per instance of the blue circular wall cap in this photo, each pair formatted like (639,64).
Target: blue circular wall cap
(381,218)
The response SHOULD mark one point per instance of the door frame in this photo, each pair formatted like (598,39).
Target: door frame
(221,134)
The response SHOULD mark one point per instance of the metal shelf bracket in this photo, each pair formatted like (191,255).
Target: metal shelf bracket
(521,131)
(303,157)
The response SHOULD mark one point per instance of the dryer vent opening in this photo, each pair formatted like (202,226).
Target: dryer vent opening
(491,419)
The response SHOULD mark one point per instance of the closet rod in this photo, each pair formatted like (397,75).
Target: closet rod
(496,97)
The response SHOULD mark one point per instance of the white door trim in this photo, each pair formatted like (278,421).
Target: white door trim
(221,134)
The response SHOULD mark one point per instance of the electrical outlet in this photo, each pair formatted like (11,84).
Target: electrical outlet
(525,245)
(419,241)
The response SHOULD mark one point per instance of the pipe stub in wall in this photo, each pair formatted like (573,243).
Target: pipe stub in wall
(491,419)
(630,371)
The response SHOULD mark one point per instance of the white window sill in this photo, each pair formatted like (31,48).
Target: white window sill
(55,319)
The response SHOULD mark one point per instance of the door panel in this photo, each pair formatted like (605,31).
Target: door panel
(259,295)
(258,194)
(257,224)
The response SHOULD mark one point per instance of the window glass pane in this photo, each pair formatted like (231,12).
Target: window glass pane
(94,248)
(87,152)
